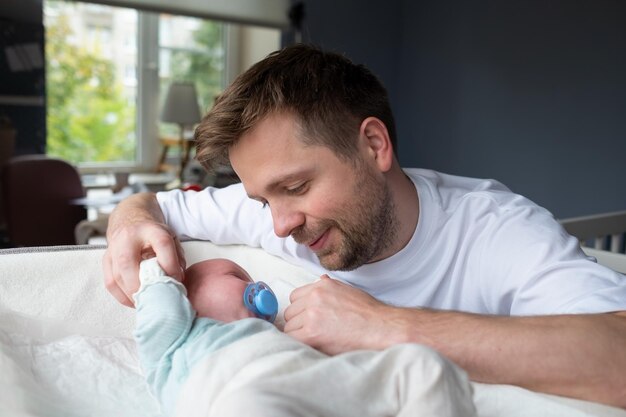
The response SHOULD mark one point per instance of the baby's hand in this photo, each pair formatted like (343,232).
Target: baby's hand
(150,272)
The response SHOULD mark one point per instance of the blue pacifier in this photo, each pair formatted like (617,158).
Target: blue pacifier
(260,299)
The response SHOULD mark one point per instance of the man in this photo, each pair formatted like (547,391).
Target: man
(462,265)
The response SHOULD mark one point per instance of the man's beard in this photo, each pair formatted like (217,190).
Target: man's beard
(367,229)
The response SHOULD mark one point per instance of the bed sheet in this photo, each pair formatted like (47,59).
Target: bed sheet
(50,369)
(66,347)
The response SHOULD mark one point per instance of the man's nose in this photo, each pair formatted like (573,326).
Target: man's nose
(285,219)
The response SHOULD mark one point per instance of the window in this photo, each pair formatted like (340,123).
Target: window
(91,110)
(105,67)
(191,50)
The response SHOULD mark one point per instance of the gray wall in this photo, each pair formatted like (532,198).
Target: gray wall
(367,32)
(532,93)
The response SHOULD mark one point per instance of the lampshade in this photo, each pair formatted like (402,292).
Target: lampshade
(181,105)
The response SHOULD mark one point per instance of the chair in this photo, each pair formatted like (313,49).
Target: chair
(37,194)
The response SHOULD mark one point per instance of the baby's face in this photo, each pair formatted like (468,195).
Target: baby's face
(215,288)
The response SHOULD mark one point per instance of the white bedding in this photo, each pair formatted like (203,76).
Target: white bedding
(66,347)
(278,377)
(44,373)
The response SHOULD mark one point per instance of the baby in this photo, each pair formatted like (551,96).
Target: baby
(209,348)
(214,285)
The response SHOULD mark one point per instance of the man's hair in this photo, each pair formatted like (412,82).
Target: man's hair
(328,95)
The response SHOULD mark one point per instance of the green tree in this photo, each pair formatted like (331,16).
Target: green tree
(87,116)
(203,66)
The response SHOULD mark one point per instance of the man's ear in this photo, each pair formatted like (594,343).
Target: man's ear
(375,137)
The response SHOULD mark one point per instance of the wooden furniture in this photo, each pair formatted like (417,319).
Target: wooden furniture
(599,231)
(185,146)
(601,236)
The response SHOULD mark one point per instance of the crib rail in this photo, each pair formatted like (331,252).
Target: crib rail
(604,231)
(615,261)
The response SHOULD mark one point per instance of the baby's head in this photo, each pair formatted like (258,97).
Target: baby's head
(215,288)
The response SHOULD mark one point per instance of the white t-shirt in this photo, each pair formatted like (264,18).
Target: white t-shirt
(477,247)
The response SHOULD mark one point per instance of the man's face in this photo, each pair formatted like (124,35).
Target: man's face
(342,210)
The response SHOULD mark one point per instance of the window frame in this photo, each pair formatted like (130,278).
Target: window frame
(237,57)
(148,95)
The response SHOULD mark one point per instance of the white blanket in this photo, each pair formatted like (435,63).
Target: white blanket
(270,374)
(46,373)
(66,347)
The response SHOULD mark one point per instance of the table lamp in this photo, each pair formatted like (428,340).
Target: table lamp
(181,107)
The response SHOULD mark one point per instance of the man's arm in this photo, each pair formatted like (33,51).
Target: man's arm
(580,356)
(137,230)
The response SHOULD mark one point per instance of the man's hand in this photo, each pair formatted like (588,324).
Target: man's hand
(580,356)
(137,231)
(334,317)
